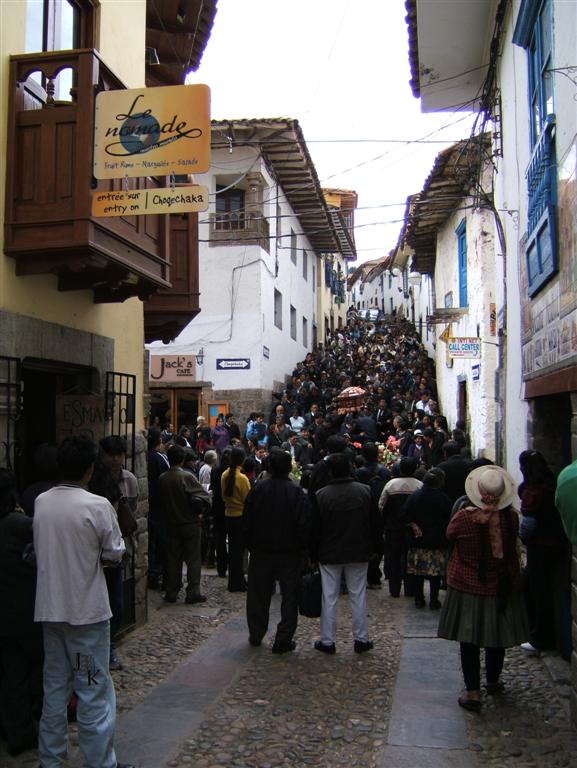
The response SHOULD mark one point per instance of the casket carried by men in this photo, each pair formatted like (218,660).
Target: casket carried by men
(351,398)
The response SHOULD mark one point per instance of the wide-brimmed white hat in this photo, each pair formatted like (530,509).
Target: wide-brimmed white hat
(490,481)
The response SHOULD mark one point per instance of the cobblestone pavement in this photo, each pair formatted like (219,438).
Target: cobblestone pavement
(308,709)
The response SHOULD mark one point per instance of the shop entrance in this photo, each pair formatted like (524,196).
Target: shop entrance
(42,382)
(174,406)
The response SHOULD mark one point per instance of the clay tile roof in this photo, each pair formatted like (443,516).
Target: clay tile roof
(454,175)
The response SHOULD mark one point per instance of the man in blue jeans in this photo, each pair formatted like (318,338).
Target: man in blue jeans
(76,535)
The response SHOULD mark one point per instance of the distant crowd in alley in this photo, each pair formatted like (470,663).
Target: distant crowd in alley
(353,479)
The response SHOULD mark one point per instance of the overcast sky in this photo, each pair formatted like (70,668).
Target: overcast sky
(340,67)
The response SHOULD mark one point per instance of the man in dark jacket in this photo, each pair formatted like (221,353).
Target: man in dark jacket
(277,521)
(157,465)
(183,501)
(456,468)
(347,532)
(20,638)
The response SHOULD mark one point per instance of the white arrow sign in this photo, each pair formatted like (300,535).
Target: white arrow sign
(236,363)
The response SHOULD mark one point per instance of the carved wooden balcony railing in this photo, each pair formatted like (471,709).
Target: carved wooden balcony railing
(48,224)
(239,228)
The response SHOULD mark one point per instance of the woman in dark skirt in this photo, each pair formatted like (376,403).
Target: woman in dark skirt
(427,513)
(484,605)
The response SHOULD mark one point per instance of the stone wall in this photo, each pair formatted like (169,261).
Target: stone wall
(242,402)
(141,535)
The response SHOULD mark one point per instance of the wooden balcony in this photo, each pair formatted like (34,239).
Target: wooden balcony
(171,309)
(48,223)
(239,228)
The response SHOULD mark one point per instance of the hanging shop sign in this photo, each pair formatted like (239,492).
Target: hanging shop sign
(464,346)
(152,131)
(171,368)
(140,202)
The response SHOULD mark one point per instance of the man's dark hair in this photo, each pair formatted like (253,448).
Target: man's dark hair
(407,466)
(113,445)
(279,462)
(229,416)
(336,443)
(451,448)
(370,452)
(339,465)
(76,455)
(434,478)
(175,454)
(154,438)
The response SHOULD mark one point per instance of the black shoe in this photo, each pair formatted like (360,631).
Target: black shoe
(284,647)
(254,641)
(361,646)
(168,599)
(195,599)
(242,588)
(419,602)
(330,649)
(125,765)
(435,605)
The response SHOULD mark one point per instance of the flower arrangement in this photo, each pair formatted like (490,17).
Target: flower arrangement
(388,453)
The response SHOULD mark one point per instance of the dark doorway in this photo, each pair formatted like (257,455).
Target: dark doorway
(42,382)
(462,404)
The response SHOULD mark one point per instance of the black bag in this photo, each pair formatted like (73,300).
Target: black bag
(310,595)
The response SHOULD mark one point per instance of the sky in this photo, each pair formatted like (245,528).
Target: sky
(339,67)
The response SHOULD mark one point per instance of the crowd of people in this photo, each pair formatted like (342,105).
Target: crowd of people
(354,475)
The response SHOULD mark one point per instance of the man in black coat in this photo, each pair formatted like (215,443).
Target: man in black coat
(456,468)
(277,531)
(346,528)
(157,536)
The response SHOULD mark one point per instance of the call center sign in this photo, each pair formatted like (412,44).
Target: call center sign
(152,131)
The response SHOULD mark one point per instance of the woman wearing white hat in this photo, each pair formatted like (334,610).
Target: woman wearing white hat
(484,605)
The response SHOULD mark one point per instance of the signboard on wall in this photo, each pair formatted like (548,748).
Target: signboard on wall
(142,202)
(464,347)
(172,368)
(152,131)
(80,415)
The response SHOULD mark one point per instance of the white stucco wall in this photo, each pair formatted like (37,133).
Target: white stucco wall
(237,284)
(481,275)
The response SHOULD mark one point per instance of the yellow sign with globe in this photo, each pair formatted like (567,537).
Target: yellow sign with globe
(152,131)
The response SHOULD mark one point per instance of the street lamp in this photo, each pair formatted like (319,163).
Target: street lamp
(200,356)
(415,278)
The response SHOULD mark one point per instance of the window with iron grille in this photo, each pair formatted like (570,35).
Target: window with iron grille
(305,332)
(305,265)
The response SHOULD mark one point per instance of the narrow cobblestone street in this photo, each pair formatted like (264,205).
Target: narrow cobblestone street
(194,693)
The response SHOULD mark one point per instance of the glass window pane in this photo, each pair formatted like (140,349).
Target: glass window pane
(34,25)
(545,24)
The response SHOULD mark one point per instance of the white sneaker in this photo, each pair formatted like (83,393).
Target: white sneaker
(530,649)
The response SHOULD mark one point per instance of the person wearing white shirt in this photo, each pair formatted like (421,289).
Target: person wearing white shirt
(76,534)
